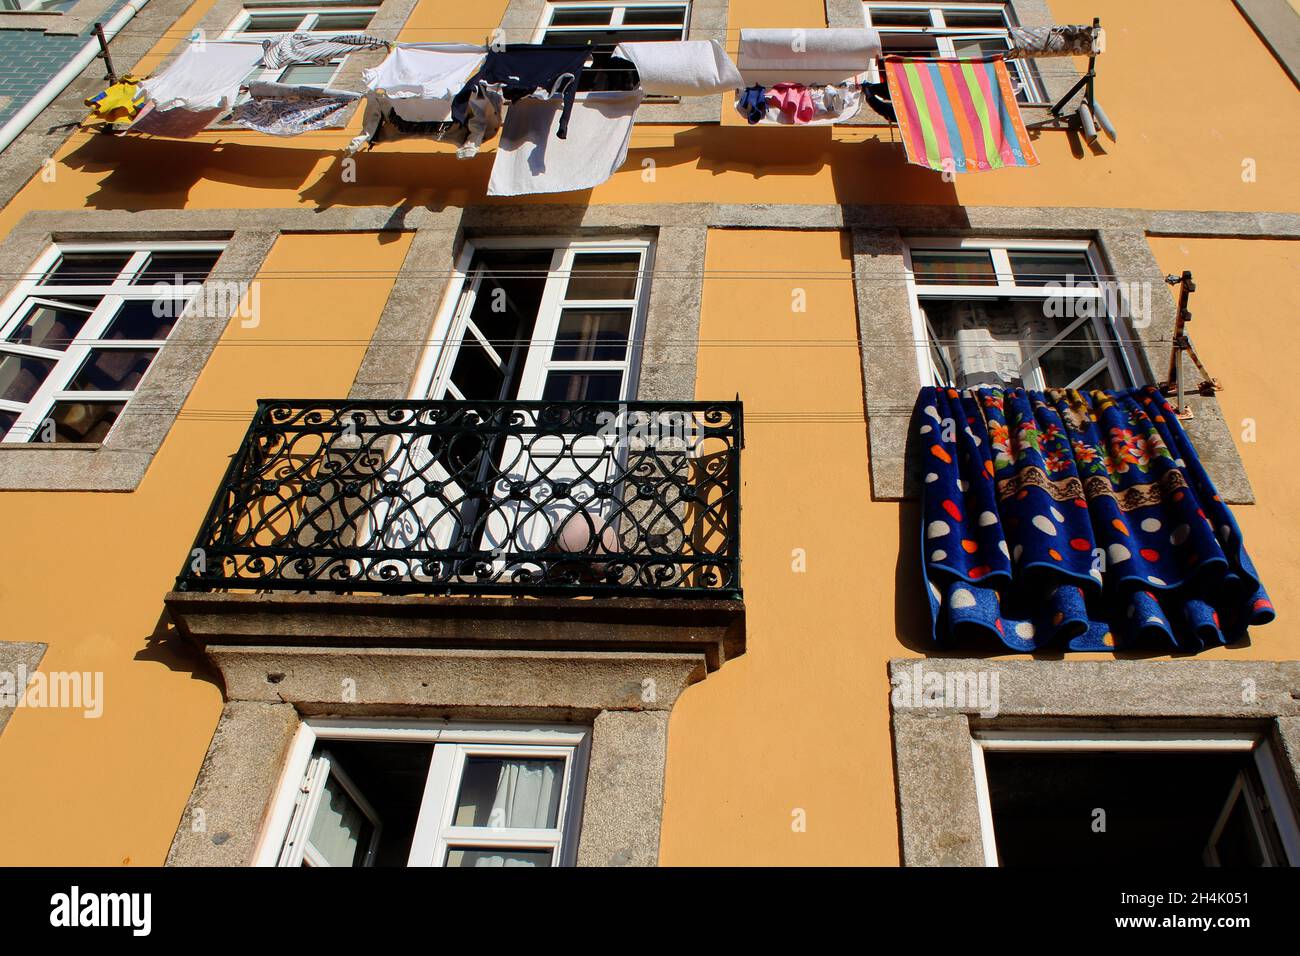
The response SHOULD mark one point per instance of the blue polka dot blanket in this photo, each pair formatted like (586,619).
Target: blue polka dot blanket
(1064,520)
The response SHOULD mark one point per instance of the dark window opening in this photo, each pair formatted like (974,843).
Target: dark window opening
(1116,808)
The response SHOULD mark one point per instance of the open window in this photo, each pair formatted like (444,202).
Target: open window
(950,30)
(1029,313)
(1190,798)
(604,26)
(428,793)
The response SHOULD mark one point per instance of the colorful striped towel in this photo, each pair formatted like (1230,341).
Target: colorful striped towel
(958,115)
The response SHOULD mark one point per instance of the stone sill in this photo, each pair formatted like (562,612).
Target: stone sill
(713,627)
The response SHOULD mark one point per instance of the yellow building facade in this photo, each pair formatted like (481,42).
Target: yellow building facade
(784,244)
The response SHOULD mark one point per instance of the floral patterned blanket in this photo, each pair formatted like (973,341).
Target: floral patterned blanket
(1076,521)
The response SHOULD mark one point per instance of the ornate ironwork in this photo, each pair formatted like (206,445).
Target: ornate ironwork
(479,497)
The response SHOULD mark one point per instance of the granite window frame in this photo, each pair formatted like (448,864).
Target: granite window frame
(524,20)
(121,461)
(941,821)
(892,375)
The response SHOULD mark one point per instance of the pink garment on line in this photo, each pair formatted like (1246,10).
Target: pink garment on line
(792,99)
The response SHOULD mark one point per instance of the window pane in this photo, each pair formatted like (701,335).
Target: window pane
(7,419)
(592,335)
(980,46)
(272,23)
(510,792)
(1071,357)
(495,856)
(50,326)
(1041,268)
(474,373)
(87,268)
(989,341)
(581,16)
(909,44)
(972,19)
(309,74)
(177,268)
(900,18)
(973,267)
(340,22)
(137,319)
(112,370)
(340,833)
(583,386)
(22,375)
(604,276)
(635,15)
(608,38)
(82,421)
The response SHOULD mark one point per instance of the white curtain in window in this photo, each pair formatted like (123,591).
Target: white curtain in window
(528,794)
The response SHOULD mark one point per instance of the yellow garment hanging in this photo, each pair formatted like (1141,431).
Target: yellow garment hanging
(119,103)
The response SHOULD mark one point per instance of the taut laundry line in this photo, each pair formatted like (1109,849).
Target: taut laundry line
(952,121)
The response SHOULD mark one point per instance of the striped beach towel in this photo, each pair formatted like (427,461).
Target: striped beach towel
(958,115)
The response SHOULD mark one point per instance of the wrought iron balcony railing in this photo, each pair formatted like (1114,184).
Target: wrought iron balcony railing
(631,498)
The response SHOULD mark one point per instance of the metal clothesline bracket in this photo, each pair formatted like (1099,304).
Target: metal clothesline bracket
(103,54)
(1090,112)
(1182,342)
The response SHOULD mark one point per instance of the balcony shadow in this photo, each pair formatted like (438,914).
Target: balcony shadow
(166,646)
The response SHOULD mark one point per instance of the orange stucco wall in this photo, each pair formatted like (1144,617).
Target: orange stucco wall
(94,567)
(800,722)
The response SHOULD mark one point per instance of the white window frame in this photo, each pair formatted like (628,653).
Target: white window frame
(1118,356)
(615,23)
(311,13)
(944,36)
(1064,740)
(615,20)
(433,375)
(33,412)
(453,743)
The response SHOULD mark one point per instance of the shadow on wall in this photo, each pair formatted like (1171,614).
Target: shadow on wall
(166,646)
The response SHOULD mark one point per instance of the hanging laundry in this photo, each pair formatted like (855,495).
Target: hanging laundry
(958,115)
(792,100)
(811,56)
(285,110)
(206,76)
(528,70)
(291,48)
(1070,40)
(830,104)
(174,124)
(752,104)
(1066,520)
(119,103)
(682,67)
(530,160)
(416,82)
(486,107)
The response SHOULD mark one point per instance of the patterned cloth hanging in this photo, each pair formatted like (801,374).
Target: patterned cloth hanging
(1079,521)
(958,116)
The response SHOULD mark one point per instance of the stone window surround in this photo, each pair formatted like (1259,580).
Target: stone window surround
(939,814)
(16,655)
(269,690)
(708,21)
(1056,80)
(884,316)
(70,22)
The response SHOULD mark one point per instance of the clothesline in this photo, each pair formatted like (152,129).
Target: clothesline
(461,92)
